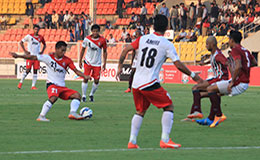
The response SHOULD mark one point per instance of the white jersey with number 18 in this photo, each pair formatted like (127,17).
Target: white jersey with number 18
(153,49)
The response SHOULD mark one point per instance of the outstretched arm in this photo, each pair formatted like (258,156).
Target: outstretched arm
(181,67)
(79,73)
(122,58)
(25,56)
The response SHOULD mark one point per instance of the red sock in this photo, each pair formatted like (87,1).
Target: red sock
(196,106)
(215,105)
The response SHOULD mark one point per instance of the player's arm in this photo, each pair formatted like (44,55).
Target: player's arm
(235,73)
(127,49)
(133,57)
(181,67)
(25,56)
(104,59)
(253,61)
(79,73)
(43,48)
(22,45)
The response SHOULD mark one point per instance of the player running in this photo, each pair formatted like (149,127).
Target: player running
(138,33)
(57,65)
(243,60)
(153,49)
(34,48)
(219,65)
(93,60)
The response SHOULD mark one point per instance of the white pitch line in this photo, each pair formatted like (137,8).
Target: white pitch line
(124,150)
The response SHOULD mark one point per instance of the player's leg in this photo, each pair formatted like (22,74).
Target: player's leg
(141,105)
(46,107)
(167,122)
(160,98)
(74,105)
(84,85)
(130,81)
(96,75)
(28,69)
(36,66)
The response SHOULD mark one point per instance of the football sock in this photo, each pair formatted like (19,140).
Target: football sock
(93,89)
(45,108)
(23,77)
(196,106)
(84,87)
(74,105)
(215,105)
(34,80)
(135,127)
(167,121)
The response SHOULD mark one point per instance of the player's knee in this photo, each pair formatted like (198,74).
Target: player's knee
(53,99)
(85,81)
(76,96)
(168,108)
(140,113)
(96,81)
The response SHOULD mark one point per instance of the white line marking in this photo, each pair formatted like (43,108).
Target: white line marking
(123,150)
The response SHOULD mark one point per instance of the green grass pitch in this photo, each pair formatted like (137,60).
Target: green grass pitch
(106,134)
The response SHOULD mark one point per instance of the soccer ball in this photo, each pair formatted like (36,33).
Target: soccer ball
(86,112)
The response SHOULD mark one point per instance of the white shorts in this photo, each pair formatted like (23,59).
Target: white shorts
(236,90)
(134,63)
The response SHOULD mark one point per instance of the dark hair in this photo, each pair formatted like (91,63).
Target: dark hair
(36,26)
(95,26)
(160,23)
(59,44)
(236,36)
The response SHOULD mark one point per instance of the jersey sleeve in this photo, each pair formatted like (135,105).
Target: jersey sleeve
(135,44)
(221,59)
(26,38)
(171,53)
(84,43)
(43,58)
(71,65)
(235,53)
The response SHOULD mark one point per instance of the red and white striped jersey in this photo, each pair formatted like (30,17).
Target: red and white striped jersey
(94,50)
(153,50)
(219,65)
(34,43)
(56,68)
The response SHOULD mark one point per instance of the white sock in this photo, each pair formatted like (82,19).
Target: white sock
(23,77)
(74,105)
(135,127)
(94,88)
(34,80)
(167,121)
(84,87)
(45,108)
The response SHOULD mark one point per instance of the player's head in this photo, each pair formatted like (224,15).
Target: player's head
(235,37)
(60,49)
(160,23)
(95,29)
(36,29)
(138,33)
(211,43)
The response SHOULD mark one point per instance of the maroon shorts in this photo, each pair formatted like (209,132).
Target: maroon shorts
(34,63)
(158,97)
(61,92)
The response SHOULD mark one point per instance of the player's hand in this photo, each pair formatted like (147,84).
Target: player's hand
(201,63)
(41,53)
(87,77)
(13,54)
(119,71)
(80,64)
(104,67)
(27,53)
(197,78)
(230,87)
